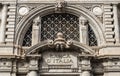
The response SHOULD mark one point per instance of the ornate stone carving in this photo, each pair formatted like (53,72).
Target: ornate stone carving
(60,43)
(60,4)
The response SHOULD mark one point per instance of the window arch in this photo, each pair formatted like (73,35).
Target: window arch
(66,23)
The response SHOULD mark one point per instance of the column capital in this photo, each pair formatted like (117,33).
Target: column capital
(36,21)
(86,65)
(33,64)
(83,20)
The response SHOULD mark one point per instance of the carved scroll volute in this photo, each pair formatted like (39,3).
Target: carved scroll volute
(60,6)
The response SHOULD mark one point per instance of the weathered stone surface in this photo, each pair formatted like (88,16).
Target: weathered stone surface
(59,56)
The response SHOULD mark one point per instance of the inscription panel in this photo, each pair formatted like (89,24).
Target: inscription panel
(60,59)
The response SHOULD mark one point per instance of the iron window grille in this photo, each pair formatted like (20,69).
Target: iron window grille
(66,23)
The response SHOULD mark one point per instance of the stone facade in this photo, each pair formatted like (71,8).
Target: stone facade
(31,46)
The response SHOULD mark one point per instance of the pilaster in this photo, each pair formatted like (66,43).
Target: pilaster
(83,30)
(33,66)
(35,30)
(86,67)
(3,23)
(116,24)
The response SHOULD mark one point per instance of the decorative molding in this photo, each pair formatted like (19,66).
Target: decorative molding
(48,44)
(60,5)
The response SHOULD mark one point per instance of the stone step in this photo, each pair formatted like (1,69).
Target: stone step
(9,40)
(12,10)
(109,26)
(10,36)
(108,13)
(109,36)
(108,29)
(9,33)
(11,20)
(10,26)
(110,40)
(11,7)
(108,23)
(109,19)
(108,7)
(11,23)
(11,13)
(110,33)
(13,16)
(108,10)
(108,16)
(10,30)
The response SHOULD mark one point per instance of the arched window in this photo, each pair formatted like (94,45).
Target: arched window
(66,23)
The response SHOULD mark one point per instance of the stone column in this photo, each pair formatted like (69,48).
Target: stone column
(33,67)
(86,67)
(83,30)
(3,23)
(35,30)
(116,24)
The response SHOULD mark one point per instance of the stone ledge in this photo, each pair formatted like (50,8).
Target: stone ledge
(70,1)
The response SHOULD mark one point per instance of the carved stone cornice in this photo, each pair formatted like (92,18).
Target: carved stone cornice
(73,1)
